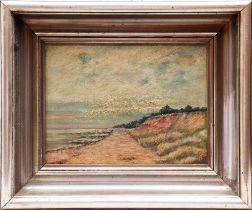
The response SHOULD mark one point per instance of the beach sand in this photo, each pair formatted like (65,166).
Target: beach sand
(118,148)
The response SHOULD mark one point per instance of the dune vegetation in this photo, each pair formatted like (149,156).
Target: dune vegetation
(178,137)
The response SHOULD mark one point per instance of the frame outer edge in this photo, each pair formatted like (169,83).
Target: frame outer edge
(1,100)
(126,6)
(7,106)
(245,105)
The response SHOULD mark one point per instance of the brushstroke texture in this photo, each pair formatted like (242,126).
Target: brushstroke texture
(107,85)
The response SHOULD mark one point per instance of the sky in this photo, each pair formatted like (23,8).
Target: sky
(105,85)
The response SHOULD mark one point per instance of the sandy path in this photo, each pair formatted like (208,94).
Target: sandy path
(118,148)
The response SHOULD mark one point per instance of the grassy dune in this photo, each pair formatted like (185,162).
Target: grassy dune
(179,138)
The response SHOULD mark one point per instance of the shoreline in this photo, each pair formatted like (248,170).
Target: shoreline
(71,147)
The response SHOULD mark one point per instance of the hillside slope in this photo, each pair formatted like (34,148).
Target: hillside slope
(178,138)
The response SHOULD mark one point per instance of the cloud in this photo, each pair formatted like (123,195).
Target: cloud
(85,58)
(179,80)
(162,68)
(143,82)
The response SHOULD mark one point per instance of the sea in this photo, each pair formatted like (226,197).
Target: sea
(65,138)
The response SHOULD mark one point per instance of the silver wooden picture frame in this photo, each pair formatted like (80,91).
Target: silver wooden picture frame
(28,183)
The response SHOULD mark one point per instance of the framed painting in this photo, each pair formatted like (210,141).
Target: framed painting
(113,104)
(125,104)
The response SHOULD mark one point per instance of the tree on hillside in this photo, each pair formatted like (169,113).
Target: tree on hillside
(188,108)
(166,110)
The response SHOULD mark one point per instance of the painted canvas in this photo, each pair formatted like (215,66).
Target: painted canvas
(126,104)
